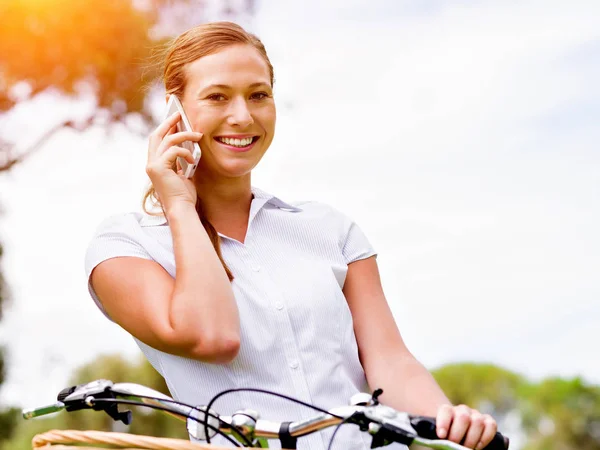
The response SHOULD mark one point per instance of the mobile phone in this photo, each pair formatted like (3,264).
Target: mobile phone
(174,105)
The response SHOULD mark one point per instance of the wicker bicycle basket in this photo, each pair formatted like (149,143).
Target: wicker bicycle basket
(71,439)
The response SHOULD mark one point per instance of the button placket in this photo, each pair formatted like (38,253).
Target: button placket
(250,262)
(274,293)
(287,337)
(291,348)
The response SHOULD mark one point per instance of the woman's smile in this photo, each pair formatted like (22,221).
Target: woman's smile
(237,143)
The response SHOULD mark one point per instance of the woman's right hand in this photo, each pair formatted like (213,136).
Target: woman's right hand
(163,149)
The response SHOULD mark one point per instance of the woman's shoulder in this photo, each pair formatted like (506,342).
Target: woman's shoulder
(128,221)
(123,234)
(321,210)
(329,224)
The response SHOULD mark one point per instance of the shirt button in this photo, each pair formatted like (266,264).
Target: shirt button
(294,364)
(279,305)
(256,268)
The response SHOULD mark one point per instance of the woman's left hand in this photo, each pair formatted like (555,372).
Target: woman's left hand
(465,426)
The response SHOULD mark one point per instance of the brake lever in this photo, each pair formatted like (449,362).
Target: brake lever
(82,397)
(79,393)
(387,425)
(384,415)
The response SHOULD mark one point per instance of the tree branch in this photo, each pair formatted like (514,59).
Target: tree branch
(7,160)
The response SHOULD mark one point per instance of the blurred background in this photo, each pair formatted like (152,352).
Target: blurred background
(462,136)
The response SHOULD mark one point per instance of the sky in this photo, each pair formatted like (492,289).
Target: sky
(462,137)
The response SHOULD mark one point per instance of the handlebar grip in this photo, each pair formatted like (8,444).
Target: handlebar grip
(425,427)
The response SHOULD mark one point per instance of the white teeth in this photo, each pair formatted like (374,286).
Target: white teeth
(236,142)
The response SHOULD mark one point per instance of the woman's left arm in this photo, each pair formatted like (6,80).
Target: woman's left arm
(407,385)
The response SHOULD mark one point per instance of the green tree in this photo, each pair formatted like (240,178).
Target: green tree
(117,369)
(555,414)
(145,421)
(8,416)
(563,414)
(487,387)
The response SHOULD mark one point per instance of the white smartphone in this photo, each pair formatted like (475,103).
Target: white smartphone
(184,125)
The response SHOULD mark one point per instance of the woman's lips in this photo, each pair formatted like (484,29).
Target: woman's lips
(238,149)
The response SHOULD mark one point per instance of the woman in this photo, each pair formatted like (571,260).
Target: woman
(233,287)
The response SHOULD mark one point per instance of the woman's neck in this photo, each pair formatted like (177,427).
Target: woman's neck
(225,199)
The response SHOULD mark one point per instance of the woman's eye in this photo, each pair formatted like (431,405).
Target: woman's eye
(216,97)
(259,95)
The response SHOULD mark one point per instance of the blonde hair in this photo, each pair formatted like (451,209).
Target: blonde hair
(202,40)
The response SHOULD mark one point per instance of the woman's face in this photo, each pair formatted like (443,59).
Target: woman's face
(229,98)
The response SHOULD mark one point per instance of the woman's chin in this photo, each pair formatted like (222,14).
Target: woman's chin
(233,168)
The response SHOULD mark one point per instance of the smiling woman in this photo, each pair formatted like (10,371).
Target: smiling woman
(222,75)
(230,286)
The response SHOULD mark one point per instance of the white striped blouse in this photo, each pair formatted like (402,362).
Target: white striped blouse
(297,335)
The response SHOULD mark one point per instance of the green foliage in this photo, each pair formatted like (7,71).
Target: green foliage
(145,421)
(8,422)
(556,414)
(25,430)
(486,387)
(8,416)
(563,413)
(117,369)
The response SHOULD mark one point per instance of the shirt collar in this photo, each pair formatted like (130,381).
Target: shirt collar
(260,199)
(275,201)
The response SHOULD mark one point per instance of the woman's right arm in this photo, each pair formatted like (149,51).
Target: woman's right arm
(193,315)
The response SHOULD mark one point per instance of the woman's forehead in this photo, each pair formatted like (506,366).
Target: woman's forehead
(239,65)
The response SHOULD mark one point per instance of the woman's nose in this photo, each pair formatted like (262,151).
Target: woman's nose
(239,113)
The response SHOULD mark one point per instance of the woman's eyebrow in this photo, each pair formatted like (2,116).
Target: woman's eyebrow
(226,86)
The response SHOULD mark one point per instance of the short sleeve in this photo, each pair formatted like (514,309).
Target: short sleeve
(356,245)
(115,237)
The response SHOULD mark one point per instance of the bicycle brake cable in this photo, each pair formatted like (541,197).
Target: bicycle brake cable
(262,391)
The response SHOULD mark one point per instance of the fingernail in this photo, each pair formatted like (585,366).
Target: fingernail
(442,433)
(479,446)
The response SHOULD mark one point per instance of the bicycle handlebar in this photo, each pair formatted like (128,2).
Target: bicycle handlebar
(385,424)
